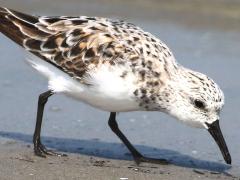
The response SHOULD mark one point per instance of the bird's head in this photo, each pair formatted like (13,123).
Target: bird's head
(197,101)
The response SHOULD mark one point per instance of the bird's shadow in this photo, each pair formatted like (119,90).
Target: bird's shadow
(95,147)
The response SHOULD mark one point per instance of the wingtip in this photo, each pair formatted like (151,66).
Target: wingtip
(3,10)
(7,26)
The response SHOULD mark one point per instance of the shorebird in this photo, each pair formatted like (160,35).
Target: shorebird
(114,66)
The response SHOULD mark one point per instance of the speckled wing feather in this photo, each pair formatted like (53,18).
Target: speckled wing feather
(77,44)
(66,42)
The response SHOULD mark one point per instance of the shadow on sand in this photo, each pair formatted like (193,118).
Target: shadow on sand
(94,147)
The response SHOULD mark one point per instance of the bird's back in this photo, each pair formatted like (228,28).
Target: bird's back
(75,44)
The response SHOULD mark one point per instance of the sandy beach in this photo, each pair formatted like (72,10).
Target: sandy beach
(17,161)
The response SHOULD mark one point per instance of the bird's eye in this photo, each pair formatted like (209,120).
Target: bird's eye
(199,104)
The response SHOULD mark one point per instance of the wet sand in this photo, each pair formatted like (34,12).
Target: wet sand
(17,161)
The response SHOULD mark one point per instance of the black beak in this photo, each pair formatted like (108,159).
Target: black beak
(215,131)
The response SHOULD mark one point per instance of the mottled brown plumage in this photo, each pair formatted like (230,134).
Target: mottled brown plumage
(78,44)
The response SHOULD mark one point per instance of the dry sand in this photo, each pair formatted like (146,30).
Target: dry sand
(17,162)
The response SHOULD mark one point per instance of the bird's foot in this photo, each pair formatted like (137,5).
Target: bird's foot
(140,159)
(42,151)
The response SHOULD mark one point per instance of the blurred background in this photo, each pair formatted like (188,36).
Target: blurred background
(203,34)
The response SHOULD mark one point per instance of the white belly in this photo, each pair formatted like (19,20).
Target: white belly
(108,91)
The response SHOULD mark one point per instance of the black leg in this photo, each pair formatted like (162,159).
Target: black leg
(39,148)
(138,157)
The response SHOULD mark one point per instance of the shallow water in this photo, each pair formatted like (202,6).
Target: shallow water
(74,127)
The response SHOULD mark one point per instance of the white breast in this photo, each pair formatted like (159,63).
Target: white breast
(108,91)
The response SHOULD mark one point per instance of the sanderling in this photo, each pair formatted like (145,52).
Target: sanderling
(114,66)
